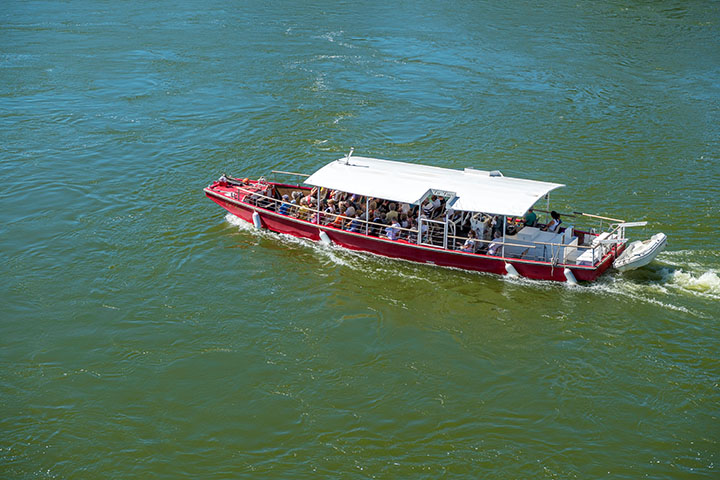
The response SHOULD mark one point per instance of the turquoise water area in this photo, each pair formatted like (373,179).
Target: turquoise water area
(144,333)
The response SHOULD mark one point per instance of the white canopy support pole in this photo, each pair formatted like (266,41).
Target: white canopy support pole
(317,208)
(419,224)
(547,207)
(367,215)
(503,230)
(445,232)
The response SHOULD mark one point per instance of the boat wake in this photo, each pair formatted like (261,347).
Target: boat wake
(673,282)
(707,284)
(675,275)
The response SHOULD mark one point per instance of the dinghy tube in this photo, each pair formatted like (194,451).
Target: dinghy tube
(570,277)
(324,238)
(511,270)
(256,220)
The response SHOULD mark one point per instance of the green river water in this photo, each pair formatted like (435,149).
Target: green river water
(144,333)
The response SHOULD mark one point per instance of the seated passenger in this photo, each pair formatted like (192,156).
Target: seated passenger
(392,214)
(511,228)
(554,225)
(469,245)
(308,198)
(440,210)
(530,219)
(393,231)
(412,235)
(382,206)
(423,230)
(337,222)
(285,206)
(495,246)
(356,225)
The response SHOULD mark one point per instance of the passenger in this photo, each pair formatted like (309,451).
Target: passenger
(383,207)
(303,213)
(392,213)
(285,206)
(377,219)
(469,245)
(487,227)
(431,206)
(310,197)
(293,211)
(496,225)
(495,245)
(312,209)
(511,227)
(439,211)
(554,225)
(477,223)
(356,224)
(412,235)
(405,208)
(393,231)
(328,212)
(530,218)
(423,230)
(337,222)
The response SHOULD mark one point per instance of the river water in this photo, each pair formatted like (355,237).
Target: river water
(146,334)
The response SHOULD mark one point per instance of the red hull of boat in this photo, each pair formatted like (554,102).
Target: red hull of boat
(409,251)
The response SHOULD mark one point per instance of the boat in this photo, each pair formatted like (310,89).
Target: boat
(439,207)
(640,253)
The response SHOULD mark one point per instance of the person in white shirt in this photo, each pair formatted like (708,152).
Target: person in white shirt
(469,245)
(554,225)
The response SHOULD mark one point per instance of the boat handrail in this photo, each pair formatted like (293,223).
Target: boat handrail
(498,240)
(290,173)
(599,216)
(548,211)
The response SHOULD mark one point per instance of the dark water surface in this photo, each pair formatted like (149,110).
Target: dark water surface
(144,334)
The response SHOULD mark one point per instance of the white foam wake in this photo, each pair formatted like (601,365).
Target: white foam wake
(706,284)
(238,222)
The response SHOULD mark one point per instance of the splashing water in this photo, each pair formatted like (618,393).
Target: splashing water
(707,283)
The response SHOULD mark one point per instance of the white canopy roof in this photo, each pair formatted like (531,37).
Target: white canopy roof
(476,190)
